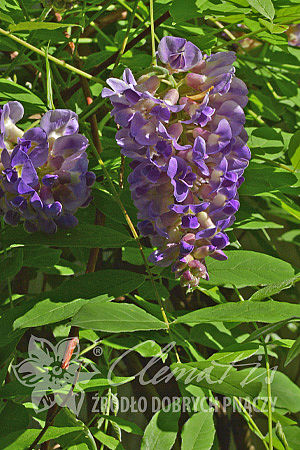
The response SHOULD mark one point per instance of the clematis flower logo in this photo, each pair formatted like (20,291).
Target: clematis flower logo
(50,383)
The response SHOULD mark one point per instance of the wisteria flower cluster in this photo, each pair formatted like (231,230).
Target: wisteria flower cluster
(188,149)
(44,175)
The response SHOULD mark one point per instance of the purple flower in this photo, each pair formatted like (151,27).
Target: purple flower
(45,177)
(10,114)
(179,53)
(189,152)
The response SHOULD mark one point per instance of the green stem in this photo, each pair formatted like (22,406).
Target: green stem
(256,117)
(52,58)
(107,413)
(130,23)
(154,62)
(270,419)
(269,398)
(275,163)
(251,421)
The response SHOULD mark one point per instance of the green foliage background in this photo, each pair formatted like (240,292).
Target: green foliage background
(249,306)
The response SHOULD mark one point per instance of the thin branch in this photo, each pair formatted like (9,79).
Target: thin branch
(129,26)
(52,58)
(69,92)
(55,410)
(152,29)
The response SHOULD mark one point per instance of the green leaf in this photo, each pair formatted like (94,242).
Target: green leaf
(124,424)
(84,439)
(213,335)
(46,312)
(285,393)
(266,329)
(261,178)
(293,352)
(6,18)
(31,26)
(235,353)
(265,7)
(13,417)
(272,27)
(145,348)
(294,150)
(115,318)
(40,256)
(274,39)
(183,11)
(272,289)
(22,440)
(221,378)
(13,91)
(84,235)
(247,268)
(95,383)
(109,441)
(65,300)
(268,312)
(161,431)
(198,432)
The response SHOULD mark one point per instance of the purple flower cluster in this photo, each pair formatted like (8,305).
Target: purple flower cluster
(189,152)
(44,176)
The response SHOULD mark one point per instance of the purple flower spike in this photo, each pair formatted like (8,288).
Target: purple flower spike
(44,178)
(178,53)
(188,150)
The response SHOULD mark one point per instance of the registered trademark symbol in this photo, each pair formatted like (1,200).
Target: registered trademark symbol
(97,351)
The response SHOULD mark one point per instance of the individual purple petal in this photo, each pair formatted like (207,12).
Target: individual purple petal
(220,240)
(178,53)
(219,138)
(219,255)
(16,111)
(67,146)
(162,113)
(143,131)
(5,158)
(18,157)
(38,146)
(206,233)
(185,248)
(189,222)
(29,175)
(128,77)
(59,122)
